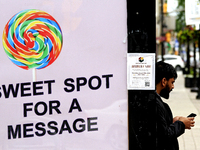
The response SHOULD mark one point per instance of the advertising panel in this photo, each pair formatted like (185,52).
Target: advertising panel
(63,75)
(192,12)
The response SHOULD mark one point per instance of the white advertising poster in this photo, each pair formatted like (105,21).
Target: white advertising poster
(140,71)
(192,12)
(63,75)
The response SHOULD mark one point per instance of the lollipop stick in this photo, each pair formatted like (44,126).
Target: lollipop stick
(34,74)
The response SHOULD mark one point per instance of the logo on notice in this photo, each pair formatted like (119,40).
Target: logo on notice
(141,59)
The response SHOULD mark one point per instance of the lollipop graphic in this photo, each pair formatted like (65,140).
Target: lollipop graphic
(32,39)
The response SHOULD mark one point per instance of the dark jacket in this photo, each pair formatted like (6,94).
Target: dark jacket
(167,131)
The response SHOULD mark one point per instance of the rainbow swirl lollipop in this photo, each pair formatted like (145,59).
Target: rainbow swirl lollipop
(32,39)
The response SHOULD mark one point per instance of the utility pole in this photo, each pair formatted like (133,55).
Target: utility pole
(142,107)
(162,31)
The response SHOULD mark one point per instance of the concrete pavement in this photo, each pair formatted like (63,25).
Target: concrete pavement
(183,102)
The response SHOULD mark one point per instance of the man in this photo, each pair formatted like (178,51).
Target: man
(168,128)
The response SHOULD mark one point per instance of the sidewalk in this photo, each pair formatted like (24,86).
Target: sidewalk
(183,102)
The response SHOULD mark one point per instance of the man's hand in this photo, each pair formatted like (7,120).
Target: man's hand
(189,122)
(176,118)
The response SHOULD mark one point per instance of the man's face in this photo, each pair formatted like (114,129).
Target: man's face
(168,88)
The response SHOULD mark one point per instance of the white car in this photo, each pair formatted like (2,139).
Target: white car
(175,60)
(192,57)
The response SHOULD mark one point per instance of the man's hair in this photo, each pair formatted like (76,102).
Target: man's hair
(164,70)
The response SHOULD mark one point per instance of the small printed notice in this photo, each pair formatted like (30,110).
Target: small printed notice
(141,71)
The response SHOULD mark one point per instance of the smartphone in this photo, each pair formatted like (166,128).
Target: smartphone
(192,115)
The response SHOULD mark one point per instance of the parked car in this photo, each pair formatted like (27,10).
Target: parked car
(192,57)
(183,54)
(175,60)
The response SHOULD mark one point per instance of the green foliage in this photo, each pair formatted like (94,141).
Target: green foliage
(184,32)
(188,33)
(180,19)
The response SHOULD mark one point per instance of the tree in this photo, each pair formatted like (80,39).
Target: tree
(180,19)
